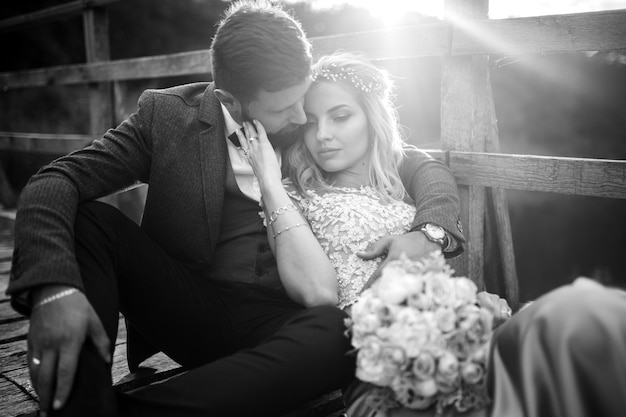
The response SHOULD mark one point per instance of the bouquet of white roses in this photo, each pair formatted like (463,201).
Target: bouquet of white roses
(422,337)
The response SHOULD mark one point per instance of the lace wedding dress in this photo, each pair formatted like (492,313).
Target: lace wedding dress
(347,220)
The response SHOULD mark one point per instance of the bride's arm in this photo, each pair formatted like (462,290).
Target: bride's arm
(305,271)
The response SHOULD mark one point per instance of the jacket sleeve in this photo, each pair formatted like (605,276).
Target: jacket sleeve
(431,185)
(47,206)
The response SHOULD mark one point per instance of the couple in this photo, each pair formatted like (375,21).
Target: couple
(198,279)
(258,334)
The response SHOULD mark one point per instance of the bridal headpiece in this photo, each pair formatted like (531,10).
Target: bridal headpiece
(334,73)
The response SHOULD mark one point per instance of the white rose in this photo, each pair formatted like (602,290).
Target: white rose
(415,337)
(370,364)
(421,301)
(424,365)
(472,372)
(367,323)
(476,323)
(406,392)
(440,287)
(447,377)
(445,318)
(464,291)
(392,286)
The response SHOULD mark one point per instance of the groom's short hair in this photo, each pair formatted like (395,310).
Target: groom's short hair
(259,46)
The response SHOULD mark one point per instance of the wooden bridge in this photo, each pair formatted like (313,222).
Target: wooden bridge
(469,141)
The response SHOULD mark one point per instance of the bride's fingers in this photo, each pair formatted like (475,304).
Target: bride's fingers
(260,129)
(243,141)
(251,133)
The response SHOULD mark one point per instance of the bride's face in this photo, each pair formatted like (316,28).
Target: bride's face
(336,133)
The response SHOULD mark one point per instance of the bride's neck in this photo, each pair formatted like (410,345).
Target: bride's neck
(349,179)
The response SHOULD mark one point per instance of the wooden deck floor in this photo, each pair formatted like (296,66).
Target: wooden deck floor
(17,395)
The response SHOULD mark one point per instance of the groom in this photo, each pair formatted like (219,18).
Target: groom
(197,280)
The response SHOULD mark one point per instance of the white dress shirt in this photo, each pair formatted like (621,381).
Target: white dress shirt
(244,175)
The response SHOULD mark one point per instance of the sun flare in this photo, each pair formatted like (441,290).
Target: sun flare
(391,11)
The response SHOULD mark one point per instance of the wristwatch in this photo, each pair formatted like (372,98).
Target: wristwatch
(434,233)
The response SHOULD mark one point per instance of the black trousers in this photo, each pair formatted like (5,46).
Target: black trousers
(249,350)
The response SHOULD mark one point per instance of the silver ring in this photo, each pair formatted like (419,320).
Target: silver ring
(253,138)
(36,361)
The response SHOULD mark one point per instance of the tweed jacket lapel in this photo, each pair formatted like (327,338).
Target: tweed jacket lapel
(213,157)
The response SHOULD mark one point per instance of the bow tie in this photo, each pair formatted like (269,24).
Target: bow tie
(234,139)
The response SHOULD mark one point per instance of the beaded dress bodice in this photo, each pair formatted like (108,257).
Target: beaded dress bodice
(347,220)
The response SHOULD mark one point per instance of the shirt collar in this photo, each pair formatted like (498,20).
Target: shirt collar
(230,124)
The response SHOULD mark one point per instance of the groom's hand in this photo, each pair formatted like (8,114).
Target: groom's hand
(414,245)
(56,335)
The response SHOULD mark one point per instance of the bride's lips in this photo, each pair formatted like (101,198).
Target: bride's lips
(327,153)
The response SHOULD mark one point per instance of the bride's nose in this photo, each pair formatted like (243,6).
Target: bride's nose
(323,131)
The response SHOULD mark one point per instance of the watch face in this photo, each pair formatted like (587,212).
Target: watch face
(434,231)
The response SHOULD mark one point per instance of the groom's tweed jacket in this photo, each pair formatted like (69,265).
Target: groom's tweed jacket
(174,143)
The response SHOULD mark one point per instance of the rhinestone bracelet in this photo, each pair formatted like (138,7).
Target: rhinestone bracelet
(56,296)
(281,210)
(289,227)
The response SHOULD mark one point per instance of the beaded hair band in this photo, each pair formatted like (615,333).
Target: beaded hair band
(334,73)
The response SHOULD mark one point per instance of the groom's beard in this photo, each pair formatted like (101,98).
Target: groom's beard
(281,139)
(284,137)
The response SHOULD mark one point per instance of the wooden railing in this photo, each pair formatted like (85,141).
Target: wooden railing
(469,134)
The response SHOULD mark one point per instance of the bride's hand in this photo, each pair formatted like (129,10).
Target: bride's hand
(498,306)
(260,153)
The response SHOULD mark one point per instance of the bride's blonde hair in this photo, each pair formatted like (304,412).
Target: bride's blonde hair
(372,87)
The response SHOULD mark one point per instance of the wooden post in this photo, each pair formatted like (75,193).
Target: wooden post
(96,27)
(501,218)
(7,194)
(464,128)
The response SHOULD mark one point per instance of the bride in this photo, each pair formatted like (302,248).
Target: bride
(561,356)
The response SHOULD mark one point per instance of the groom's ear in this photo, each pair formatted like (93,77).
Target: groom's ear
(232,104)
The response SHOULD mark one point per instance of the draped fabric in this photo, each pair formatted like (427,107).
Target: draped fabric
(563,356)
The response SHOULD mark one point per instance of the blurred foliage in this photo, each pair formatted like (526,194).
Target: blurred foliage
(559,104)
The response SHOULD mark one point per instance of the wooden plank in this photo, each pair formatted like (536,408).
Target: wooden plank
(7,313)
(4,283)
(58,144)
(579,176)
(13,331)
(184,63)
(13,356)
(6,254)
(430,39)
(594,31)
(599,31)
(62,11)
(18,396)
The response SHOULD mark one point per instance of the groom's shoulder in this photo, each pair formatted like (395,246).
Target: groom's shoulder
(413,153)
(190,94)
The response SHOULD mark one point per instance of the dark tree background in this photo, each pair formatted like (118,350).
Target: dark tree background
(561,104)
